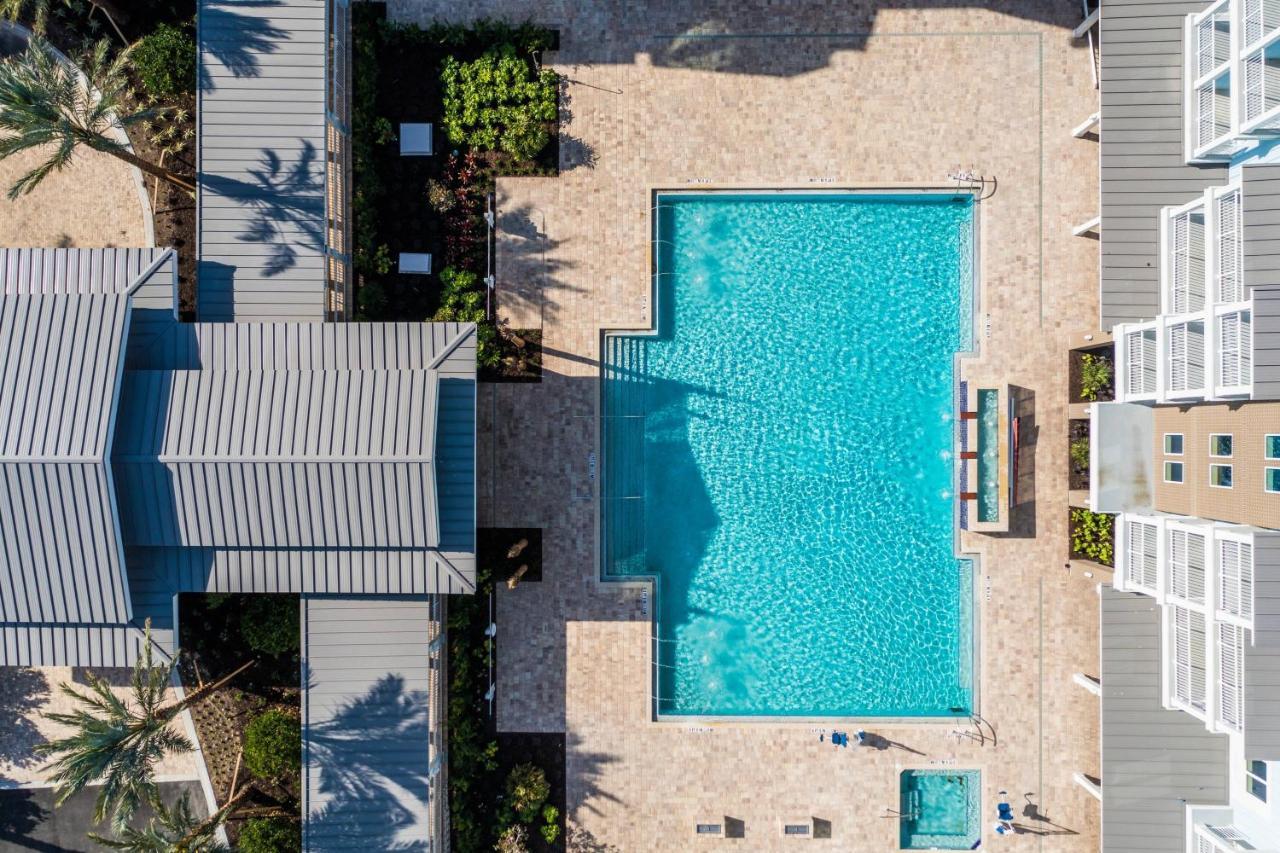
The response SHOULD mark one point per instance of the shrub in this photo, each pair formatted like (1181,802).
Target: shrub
(550,823)
(273,744)
(165,60)
(527,791)
(440,197)
(514,839)
(270,835)
(1095,375)
(1080,452)
(462,301)
(271,624)
(1091,535)
(371,301)
(499,102)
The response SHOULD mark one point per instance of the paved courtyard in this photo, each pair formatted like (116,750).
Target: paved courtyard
(712,93)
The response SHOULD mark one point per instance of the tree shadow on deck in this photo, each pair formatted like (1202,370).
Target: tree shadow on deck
(254,37)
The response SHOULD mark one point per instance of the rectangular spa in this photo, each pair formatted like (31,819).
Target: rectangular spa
(940,809)
(778,454)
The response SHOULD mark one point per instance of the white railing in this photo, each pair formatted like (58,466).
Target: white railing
(1187,261)
(1186,356)
(1235,578)
(1231,676)
(1140,554)
(1230,259)
(1141,369)
(1189,658)
(1213,41)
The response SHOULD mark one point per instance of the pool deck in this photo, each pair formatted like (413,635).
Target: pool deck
(930,89)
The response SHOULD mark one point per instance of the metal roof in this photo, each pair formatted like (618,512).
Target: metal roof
(60,362)
(371,724)
(1154,760)
(1142,160)
(261,155)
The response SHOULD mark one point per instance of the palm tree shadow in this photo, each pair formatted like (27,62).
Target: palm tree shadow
(370,758)
(285,203)
(254,37)
(23,692)
(584,774)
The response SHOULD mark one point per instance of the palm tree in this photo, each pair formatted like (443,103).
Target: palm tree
(119,742)
(174,828)
(45,102)
(13,10)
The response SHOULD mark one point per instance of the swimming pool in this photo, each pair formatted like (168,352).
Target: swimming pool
(778,454)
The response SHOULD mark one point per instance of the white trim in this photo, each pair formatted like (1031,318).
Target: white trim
(1266,471)
(1182,438)
(1182,472)
(1266,440)
(1231,469)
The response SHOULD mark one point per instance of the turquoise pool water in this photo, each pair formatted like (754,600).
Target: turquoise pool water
(941,809)
(988,454)
(778,455)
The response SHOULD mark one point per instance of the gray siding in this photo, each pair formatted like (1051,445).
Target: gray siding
(1154,760)
(1266,342)
(261,154)
(1262,657)
(1142,165)
(370,725)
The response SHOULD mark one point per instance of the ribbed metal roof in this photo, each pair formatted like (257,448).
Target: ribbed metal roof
(60,360)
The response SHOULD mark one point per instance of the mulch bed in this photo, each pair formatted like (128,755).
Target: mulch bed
(494,543)
(520,364)
(1077,475)
(545,750)
(210,636)
(1073,373)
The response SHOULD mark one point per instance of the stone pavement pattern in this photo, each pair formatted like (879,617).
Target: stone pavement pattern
(93,203)
(727,93)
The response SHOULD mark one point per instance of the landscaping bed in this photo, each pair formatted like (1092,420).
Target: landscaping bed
(485,803)
(219,633)
(1091,374)
(493,111)
(1078,454)
(1091,536)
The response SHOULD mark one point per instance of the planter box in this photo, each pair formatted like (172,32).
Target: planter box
(1073,554)
(1075,361)
(1077,475)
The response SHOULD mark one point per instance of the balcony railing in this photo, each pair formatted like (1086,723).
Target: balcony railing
(1235,345)
(1189,670)
(1229,259)
(1141,375)
(1231,676)
(1140,555)
(1186,357)
(1235,578)
(1187,260)
(1186,565)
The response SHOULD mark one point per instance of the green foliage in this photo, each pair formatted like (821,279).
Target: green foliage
(371,301)
(462,301)
(170,826)
(472,753)
(440,197)
(499,101)
(382,259)
(273,744)
(272,624)
(1091,535)
(270,835)
(383,131)
(550,823)
(1080,453)
(527,37)
(1095,375)
(165,60)
(366,41)
(527,791)
(116,741)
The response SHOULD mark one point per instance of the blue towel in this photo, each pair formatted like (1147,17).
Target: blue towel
(1006,812)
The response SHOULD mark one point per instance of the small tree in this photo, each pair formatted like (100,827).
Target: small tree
(174,828)
(166,61)
(45,103)
(272,624)
(270,835)
(527,791)
(118,743)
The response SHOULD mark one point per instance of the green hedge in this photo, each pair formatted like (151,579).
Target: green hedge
(272,624)
(270,835)
(165,60)
(273,744)
(499,102)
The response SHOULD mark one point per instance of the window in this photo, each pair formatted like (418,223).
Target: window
(709,829)
(1173,472)
(1255,776)
(1173,444)
(1271,447)
(1141,552)
(1271,480)
(1189,658)
(1220,476)
(1220,445)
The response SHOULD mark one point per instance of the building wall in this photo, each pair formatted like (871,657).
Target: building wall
(1245,502)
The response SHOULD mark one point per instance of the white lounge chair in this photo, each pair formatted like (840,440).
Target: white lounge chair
(415,140)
